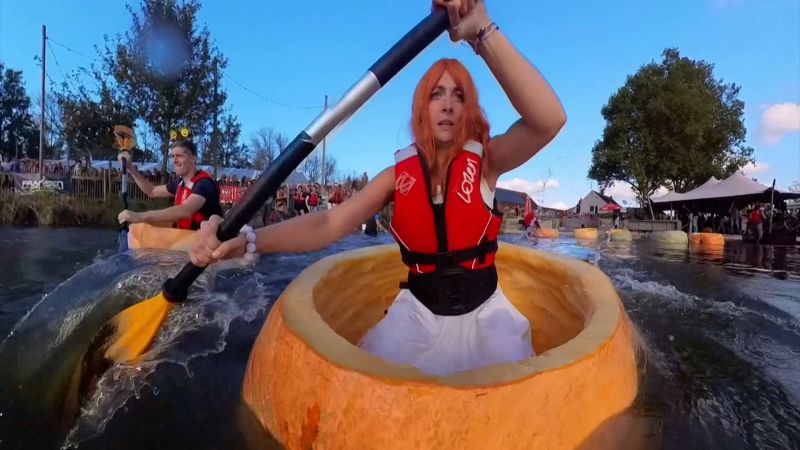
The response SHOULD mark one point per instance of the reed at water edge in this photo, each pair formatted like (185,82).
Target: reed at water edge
(56,210)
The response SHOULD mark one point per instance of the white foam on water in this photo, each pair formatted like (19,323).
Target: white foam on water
(626,280)
(208,312)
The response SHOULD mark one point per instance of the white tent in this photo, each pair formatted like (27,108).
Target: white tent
(735,185)
(142,166)
(677,196)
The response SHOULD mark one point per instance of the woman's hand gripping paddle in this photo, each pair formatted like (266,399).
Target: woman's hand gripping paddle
(125,337)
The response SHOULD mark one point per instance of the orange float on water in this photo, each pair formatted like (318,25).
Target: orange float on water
(144,235)
(547,233)
(585,233)
(707,239)
(310,386)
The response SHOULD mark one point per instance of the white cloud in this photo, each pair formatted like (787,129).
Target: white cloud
(532,188)
(558,205)
(625,196)
(622,193)
(754,168)
(779,120)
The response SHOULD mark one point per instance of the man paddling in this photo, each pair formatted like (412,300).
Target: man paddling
(195,192)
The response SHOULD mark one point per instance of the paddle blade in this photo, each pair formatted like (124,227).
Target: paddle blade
(133,330)
(122,240)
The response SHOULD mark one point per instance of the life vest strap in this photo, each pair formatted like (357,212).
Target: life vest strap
(453,292)
(449,259)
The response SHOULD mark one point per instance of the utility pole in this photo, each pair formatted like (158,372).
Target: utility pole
(41,124)
(324,168)
(215,147)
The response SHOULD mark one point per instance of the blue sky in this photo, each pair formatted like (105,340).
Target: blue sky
(294,55)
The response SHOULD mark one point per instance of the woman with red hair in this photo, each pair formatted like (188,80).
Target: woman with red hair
(450,315)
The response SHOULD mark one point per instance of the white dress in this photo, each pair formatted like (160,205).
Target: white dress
(495,332)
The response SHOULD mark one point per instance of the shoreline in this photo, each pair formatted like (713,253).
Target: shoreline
(57,210)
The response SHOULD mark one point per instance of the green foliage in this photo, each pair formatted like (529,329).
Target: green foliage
(225,150)
(17,129)
(672,124)
(88,118)
(167,68)
(53,209)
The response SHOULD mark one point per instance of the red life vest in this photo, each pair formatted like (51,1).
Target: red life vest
(313,199)
(527,220)
(755,217)
(181,194)
(461,232)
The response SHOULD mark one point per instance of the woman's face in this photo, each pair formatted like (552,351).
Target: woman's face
(445,109)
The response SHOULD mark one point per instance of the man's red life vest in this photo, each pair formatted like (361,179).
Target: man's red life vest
(755,216)
(313,199)
(181,194)
(527,220)
(461,232)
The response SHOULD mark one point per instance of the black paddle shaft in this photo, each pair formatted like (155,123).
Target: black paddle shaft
(407,48)
(124,188)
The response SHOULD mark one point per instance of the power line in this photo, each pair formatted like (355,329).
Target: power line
(68,48)
(53,54)
(265,98)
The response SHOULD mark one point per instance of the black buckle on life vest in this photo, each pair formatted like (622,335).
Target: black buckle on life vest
(453,292)
(446,259)
(449,259)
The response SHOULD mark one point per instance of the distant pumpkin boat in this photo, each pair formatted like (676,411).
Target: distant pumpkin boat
(143,235)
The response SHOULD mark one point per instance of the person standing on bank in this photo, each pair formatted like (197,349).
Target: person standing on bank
(195,192)
(451,315)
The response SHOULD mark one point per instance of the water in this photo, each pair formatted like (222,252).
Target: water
(722,331)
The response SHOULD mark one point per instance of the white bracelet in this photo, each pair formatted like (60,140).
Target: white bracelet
(250,248)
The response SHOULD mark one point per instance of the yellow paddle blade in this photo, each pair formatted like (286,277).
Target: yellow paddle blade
(135,328)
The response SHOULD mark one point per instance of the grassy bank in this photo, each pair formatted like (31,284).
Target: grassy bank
(48,209)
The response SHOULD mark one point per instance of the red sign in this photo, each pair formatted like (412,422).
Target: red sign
(229,195)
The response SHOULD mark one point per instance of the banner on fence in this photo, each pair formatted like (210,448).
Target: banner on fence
(29,186)
(229,195)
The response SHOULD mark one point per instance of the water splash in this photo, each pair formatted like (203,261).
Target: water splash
(195,329)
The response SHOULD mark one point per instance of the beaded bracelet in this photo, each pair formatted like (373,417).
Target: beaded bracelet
(482,35)
(250,248)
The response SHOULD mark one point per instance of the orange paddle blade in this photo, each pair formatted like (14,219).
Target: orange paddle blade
(135,328)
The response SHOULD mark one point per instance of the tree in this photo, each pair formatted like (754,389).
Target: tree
(167,69)
(232,153)
(330,168)
(16,124)
(266,144)
(312,167)
(88,118)
(795,186)
(672,124)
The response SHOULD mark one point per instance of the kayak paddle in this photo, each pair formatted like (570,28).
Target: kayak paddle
(122,239)
(130,333)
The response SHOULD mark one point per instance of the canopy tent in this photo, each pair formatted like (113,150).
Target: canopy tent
(677,196)
(142,166)
(737,188)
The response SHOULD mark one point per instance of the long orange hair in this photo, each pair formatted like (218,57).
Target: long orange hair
(473,124)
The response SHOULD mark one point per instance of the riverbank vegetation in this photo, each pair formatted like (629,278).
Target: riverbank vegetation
(56,210)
